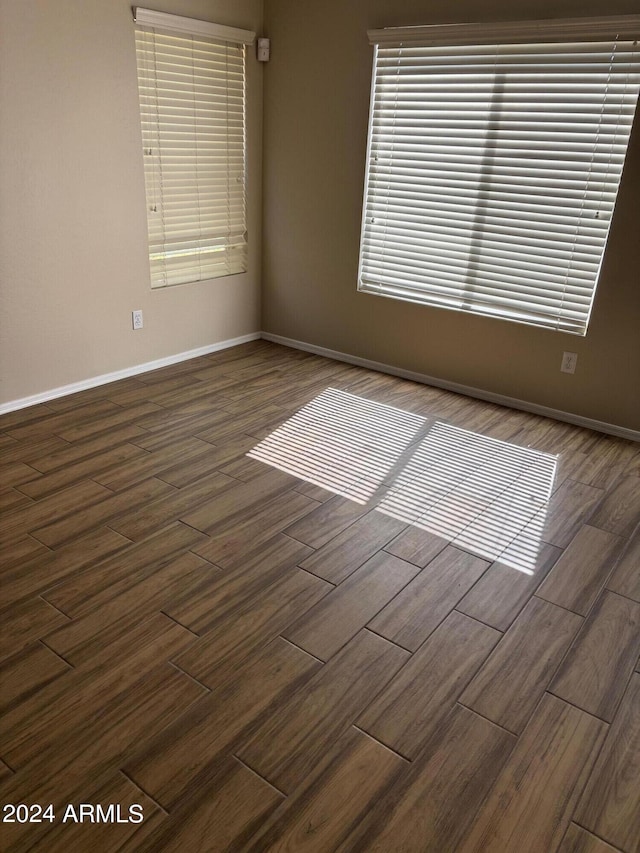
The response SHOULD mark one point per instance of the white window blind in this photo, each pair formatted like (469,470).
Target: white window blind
(493,169)
(192,102)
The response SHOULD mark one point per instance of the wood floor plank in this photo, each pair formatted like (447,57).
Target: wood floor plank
(200,410)
(578,577)
(116,797)
(17,552)
(70,454)
(64,403)
(53,423)
(39,568)
(214,458)
(27,671)
(246,469)
(95,751)
(29,451)
(118,668)
(209,394)
(19,417)
(228,594)
(312,491)
(95,584)
(578,840)
(435,804)
(239,370)
(330,802)
(27,621)
(601,466)
(619,511)
(90,467)
(595,673)
(13,499)
(55,507)
(26,736)
(165,427)
(87,637)
(563,436)
(327,521)
(228,508)
(610,806)
(415,703)
(570,507)
(238,398)
(418,610)
(122,416)
(150,519)
(149,464)
(220,817)
(339,616)
(16,474)
(252,623)
(256,424)
(56,533)
(113,645)
(181,368)
(625,579)
(231,368)
(503,590)
(416,546)
(508,687)
(176,762)
(98,392)
(296,397)
(150,391)
(290,742)
(379,387)
(531,803)
(226,547)
(270,370)
(342,555)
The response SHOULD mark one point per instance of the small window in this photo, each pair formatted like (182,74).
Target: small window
(191,82)
(494,158)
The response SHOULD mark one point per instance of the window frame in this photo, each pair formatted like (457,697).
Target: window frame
(457,36)
(197,228)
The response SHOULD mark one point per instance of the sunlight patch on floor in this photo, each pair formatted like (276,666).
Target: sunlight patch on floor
(483,495)
(344,443)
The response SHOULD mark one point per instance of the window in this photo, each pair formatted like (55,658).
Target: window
(494,158)
(191,82)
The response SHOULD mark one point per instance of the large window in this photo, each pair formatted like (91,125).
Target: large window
(191,81)
(494,159)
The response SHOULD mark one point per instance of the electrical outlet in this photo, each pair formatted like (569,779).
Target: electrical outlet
(136,320)
(569,361)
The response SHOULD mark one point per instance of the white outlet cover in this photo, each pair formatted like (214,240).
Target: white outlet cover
(136,320)
(569,361)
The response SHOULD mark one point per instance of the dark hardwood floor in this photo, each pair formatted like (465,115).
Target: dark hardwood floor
(283,603)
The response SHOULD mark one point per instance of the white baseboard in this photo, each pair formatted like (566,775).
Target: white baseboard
(94,381)
(501,399)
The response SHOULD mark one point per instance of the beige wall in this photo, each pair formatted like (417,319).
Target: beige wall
(73,224)
(316,104)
